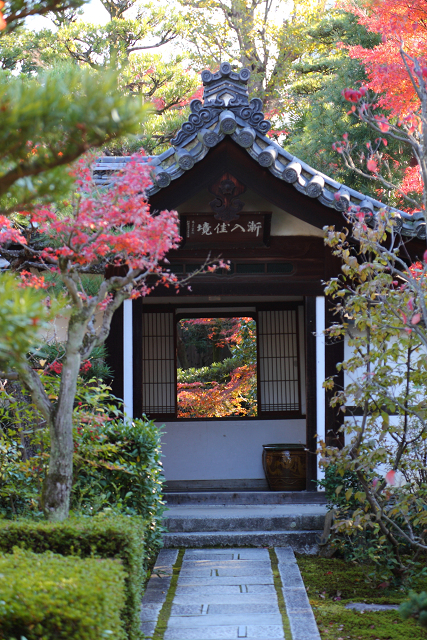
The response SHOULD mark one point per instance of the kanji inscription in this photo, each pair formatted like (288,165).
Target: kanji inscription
(249,230)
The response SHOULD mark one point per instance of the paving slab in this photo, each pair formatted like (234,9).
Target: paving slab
(228,580)
(219,620)
(290,576)
(224,598)
(285,555)
(261,632)
(223,571)
(208,556)
(304,627)
(150,612)
(206,591)
(208,610)
(226,562)
(296,600)
(166,557)
(227,594)
(258,588)
(362,606)
(148,628)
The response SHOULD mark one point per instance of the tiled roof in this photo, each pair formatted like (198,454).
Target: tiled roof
(227,111)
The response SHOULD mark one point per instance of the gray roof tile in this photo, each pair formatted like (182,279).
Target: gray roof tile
(226,110)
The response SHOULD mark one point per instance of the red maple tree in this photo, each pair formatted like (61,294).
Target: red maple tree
(114,228)
(394,100)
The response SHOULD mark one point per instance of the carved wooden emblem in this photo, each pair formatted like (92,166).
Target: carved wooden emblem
(227,204)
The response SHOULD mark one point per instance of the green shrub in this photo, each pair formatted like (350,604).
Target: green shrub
(19,489)
(415,607)
(117,465)
(49,597)
(218,371)
(336,487)
(116,537)
(361,544)
(51,352)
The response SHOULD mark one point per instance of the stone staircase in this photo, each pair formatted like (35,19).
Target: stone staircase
(247,518)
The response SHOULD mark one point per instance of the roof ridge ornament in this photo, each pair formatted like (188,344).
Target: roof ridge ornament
(224,90)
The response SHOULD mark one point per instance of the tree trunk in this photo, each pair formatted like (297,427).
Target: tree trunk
(58,483)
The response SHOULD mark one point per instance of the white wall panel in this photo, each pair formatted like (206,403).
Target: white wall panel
(218,449)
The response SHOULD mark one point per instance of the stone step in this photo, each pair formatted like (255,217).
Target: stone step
(208,518)
(300,541)
(245,497)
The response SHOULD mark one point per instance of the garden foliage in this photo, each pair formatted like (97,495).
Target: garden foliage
(104,536)
(392,102)
(381,306)
(99,229)
(225,387)
(117,464)
(60,598)
(415,607)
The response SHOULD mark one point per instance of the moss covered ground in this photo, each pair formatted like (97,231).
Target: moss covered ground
(333,583)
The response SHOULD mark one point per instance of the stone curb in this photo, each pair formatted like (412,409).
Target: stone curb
(301,618)
(157,590)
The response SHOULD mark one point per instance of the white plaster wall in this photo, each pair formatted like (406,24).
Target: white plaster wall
(223,449)
(285,224)
(58,328)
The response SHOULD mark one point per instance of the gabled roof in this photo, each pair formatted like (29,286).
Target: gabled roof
(227,111)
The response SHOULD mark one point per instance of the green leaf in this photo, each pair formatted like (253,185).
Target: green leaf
(348,493)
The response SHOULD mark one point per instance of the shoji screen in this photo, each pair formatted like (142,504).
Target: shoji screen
(278,381)
(158,364)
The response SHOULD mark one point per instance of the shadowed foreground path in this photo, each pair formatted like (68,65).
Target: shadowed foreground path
(227,594)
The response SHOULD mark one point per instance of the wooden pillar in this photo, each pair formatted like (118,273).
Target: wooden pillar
(137,357)
(311,392)
(320,376)
(127,359)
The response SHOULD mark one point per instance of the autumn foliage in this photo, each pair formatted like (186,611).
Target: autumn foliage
(217,400)
(225,388)
(114,225)
(110,231)
(398,22)
(393,100)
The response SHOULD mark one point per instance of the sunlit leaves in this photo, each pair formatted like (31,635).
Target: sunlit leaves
(381,305)
(48,122)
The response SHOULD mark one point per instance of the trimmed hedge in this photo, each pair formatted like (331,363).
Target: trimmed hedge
(117,537)
(49,597)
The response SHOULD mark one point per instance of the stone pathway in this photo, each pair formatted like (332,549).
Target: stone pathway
(227,594)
